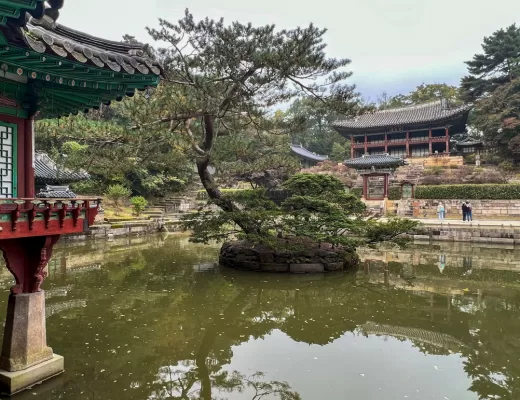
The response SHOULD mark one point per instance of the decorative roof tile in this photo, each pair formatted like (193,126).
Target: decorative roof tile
(301,151)
(377,161)
(56,192)
(430,113)
(47,171)
(59,40)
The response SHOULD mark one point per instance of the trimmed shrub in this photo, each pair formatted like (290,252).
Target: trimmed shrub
(468,192)
(139,203)
(394,193)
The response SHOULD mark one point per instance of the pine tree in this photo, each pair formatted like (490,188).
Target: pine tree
(222,79)
(497,65)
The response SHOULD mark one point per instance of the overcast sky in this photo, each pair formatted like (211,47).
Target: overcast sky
(394,45)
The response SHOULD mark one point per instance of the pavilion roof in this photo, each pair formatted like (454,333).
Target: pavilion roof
(376,161)
(429,114)
(47,171)
(56,70)
(301,151)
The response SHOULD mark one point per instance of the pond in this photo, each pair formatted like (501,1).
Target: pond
(154,318)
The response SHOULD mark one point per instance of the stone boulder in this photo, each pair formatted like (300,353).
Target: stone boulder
(306,257)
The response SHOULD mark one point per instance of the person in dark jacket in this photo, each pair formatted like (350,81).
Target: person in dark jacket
(464,211)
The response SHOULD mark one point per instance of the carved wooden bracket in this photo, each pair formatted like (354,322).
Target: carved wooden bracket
(62,213)
(47,215)
(15,215)
(76,212)
(26,259)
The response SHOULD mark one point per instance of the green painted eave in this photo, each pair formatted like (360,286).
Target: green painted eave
(59,86)
(13,8)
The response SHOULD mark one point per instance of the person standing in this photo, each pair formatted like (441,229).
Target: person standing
(440,211)
(464,211)
(470,211)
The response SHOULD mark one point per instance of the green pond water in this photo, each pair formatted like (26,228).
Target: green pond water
(154,318)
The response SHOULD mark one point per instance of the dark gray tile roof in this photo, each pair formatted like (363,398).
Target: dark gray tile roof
(46,171)
(59,40)
(37,26)
(301,151)
(380,160)
(470,143)
(429,113)
(56,192)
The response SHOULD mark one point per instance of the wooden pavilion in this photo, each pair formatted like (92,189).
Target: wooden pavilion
(413,131)
(46,71)
(375,170)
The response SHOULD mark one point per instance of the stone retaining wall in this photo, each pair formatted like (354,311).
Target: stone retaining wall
(125,229)
(482,209)
(500,234)
(242,255)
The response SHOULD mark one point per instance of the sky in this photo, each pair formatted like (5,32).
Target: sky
(394,45)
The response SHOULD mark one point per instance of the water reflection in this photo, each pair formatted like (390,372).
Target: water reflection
(152,318)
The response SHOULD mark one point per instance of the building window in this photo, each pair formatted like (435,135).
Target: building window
(8,151)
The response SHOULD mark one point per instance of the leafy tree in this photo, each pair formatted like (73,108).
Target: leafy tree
(117,194)
(497,116)
(149,162)
(423,93)
(222,79)
(139,203)
(340,152)
(316,134)
(262,159)
(497,65)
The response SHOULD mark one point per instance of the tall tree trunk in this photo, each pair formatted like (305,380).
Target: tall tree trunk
(207,180)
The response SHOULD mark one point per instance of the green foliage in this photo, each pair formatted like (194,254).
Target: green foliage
(151,163)
(499,64)
(423,93)
(139,203)
(394,193)
(357,191)
(340,152)
(316,133)
(117,194)
(468,192)
(91,187)
(497,115)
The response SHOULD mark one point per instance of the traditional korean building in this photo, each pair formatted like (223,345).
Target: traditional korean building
(307,157)
(48,173)
(414,131)
(46,71)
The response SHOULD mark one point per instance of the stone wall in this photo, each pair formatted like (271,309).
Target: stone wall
(245,256)
(482,209)
(438,161)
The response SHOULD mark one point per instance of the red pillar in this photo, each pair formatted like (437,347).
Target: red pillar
(352,146)
(447,139)
(407,144)
(366,144)
(430,141)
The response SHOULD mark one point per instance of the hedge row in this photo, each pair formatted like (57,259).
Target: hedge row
(468,192)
